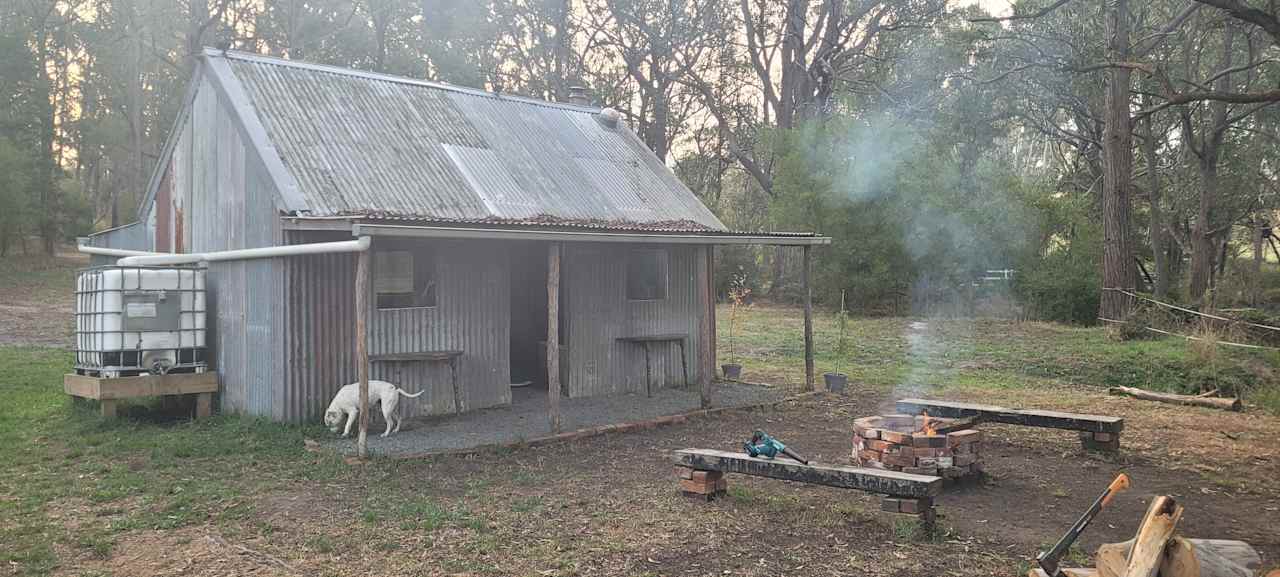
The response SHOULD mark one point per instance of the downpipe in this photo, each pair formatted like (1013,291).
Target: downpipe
(151,259)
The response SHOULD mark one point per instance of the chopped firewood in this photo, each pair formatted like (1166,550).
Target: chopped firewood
(1068,571)
(1187,558)
(1192,400)
(1152,536)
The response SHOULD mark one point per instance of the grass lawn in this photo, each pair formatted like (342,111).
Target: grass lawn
(147,494)
(902,355)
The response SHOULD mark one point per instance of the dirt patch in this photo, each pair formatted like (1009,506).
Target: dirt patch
(37,302)
(609,506)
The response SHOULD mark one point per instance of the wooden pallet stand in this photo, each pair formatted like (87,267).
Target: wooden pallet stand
(109,391)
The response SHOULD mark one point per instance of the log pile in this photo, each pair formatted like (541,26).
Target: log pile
(918,445)
(1157,551)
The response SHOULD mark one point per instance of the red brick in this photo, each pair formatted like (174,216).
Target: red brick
(706,476)
(881,446)
(915,506)
(897,460)
(895,437)
(684,472)
(691,486)
(927,441)
(869,455)
(900,450)
(965,436)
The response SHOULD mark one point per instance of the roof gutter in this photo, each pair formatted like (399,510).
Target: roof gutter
(359,245)
(362,230)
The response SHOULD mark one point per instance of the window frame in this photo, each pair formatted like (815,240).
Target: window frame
(424,271)
(664,258)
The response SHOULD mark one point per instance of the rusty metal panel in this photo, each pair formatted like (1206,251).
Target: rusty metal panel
(598,313)
(382,146)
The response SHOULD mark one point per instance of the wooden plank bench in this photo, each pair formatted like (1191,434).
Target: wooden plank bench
(107,391)
(446,356)
(681,340)
(701,473)
(1097,432)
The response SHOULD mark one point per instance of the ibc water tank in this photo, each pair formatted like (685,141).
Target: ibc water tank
(134,320)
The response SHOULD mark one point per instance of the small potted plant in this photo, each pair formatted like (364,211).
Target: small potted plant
(738,293)
(837,380)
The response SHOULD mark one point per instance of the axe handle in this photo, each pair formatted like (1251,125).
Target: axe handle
(1048,560)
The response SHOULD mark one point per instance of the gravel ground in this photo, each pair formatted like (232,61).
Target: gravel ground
(526,418)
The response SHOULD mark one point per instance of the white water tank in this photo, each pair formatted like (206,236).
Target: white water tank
(132,320)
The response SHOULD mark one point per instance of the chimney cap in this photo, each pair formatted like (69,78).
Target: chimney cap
(578,94)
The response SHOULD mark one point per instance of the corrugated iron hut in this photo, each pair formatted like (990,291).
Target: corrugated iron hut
(472,201)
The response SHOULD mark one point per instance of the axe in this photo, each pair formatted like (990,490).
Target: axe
(1048,560)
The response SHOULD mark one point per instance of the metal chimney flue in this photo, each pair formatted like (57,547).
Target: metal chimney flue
(578,95)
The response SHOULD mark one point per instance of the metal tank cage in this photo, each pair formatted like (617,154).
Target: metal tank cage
(122,362)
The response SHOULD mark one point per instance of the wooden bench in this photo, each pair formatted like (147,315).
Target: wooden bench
(1097,432)
(701,473)
(680,340)
(107,391)
(443,356)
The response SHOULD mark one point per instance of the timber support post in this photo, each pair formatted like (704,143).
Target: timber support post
(553,335)
(805,273)
(706,326)
(362,349)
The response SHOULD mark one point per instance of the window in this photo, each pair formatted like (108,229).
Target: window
(647,275)
(404,277)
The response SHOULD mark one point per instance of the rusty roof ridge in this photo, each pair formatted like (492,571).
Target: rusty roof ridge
(393,78)
(530,225)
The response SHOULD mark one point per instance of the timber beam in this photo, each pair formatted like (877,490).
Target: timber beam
(870,480)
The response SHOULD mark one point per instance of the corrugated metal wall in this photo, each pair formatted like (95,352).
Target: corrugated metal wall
(319,329)
(131,236)
(598,313)
(231,204)
(471,314)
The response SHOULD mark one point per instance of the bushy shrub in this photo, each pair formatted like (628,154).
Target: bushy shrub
(1060,287)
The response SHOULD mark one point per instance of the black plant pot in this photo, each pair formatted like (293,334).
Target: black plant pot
(836,381)
(732,371)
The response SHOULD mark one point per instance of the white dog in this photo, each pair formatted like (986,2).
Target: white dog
(347,403)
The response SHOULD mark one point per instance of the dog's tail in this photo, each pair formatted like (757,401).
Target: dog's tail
(413,396)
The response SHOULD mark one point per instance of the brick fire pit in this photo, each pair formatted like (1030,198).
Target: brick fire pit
(901,443)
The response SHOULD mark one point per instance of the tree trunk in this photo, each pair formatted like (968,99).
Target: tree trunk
(1255,274)
(1202,245)
(1157,233)
(1117,144)
(44,181)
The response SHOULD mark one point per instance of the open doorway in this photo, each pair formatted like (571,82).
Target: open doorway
(528,320)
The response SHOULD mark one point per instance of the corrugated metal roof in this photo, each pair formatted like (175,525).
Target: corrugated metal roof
(372,145)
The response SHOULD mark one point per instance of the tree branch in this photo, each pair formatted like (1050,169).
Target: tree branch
(1043,12)
(1240,11)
